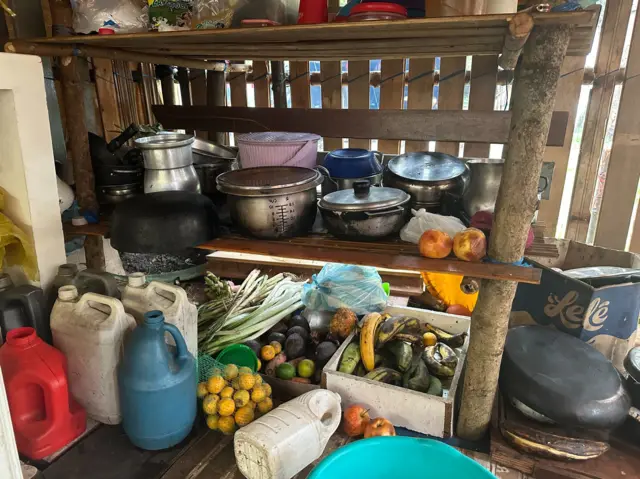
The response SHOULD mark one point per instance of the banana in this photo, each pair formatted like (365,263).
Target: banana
(408,337)
(448,355)
(393,326)
(433,359)
(451,340)
(370,324)
(385,375)
(402,353)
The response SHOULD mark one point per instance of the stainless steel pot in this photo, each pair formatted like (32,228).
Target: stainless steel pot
(482,193)
(426,176)
(271,202)
(174,179)
(166,151)
(329,184)
(365,212)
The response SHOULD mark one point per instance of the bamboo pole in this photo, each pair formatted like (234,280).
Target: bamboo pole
(534,96)
(216,95)
(77,134)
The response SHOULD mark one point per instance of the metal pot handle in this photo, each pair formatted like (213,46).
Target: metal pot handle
(395,211)
(546,184)
(326,174)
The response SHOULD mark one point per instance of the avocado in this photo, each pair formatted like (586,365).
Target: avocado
(294,346)
(299,330)
(273,336)
(279,328)
(324,351)
(254,345)
(286,371)
(299,321)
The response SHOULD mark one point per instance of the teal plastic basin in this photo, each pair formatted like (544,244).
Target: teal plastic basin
(399,457)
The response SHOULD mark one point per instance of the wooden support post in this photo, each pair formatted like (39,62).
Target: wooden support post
(77,134)
(278,85)
(520,27)
(185,91)
(216,94)
(165,74)
(534,96)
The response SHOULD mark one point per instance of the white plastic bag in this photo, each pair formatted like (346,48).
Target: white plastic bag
(124,16)
(423,221)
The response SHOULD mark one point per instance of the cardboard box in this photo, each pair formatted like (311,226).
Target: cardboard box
(605,317)
(413,410)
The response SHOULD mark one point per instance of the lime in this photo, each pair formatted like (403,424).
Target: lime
(306,368)
(286,371)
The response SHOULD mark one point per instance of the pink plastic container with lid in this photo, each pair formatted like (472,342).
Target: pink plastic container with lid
(377,11)
(272,148)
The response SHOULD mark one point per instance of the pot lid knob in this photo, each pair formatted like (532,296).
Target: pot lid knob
(361,188)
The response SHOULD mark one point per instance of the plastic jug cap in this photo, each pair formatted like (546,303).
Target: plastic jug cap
(67,293)
(153,317)
(21,336)
(136,280)
(5,281)
(67,270)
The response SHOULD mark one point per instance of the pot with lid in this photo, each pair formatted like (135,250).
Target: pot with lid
(426,176)
(271,202)
(365,212)
(343,167)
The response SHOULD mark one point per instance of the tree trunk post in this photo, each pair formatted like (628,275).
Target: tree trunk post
(77,134)
(534,93)
(216,95)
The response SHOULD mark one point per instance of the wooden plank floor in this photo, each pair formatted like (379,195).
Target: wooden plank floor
(108,454)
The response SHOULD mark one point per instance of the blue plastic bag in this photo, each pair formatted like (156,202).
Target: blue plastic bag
(358,288)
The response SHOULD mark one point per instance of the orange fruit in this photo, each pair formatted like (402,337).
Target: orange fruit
(265,406)
(267,352)
(202,390)
(306,368)
(258,379)
(258,394)
(244,416)
(230,372)
(215,384)
(244,370)
(235,384)
(226,407)
(251,404)
(227,425)
(226,392)
(267,389)
(241,398)
(210,404)
(429,339)
(247,381)
(259,365)
(277,347)
(212,421)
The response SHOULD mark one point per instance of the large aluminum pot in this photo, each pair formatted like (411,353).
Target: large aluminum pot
(426,176)
(271,202)
(365,213)
(173,179)
(165,151)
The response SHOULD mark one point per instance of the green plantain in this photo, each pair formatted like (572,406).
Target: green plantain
(385,375)
(402,353)
(451,340)
(350,358)
(433,360)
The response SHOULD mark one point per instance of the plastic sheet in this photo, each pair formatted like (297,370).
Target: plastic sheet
(124,16)
(358,288)
(15,247)
(423,221)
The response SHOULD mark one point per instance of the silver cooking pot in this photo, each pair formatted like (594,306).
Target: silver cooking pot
(273,201)
(426,176)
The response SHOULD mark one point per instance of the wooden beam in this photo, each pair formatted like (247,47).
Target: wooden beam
(421,75)
(331,96)
(299,84)
(534,95)
(185,89)
(417,125)
(358,94)
(614,29)
(107,98)
(391,97)
(621,185)
(278,84)
(482,97)
(450,94)
(216,97)
(567,97)
(260,79)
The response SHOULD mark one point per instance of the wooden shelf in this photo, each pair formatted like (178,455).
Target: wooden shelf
(415,38)
(396,255)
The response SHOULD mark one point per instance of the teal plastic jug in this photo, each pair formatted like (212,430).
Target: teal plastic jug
(157,387)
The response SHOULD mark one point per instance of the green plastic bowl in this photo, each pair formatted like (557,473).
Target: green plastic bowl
(240,355)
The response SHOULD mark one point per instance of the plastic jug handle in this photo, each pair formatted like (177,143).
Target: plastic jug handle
(336,416)
(169,288)
(115,304)
(181,346)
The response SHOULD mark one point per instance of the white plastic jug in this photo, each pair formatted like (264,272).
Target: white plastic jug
(90,331)
(283,442)
(139,298)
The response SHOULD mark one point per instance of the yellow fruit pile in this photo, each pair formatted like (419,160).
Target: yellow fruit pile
(234,397)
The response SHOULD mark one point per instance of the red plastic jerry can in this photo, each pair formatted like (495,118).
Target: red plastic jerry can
(45,417)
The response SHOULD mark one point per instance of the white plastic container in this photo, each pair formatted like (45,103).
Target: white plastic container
(283,442)
(139,298)
(90,330)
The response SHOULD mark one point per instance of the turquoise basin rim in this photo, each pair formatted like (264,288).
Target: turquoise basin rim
(438,450)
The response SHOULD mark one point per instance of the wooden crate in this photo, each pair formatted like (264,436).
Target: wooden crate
(413,410)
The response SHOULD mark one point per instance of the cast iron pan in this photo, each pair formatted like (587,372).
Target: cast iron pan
(163,222)
(563,378)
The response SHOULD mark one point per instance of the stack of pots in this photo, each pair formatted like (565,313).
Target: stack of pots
(168,163)
(342,168)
